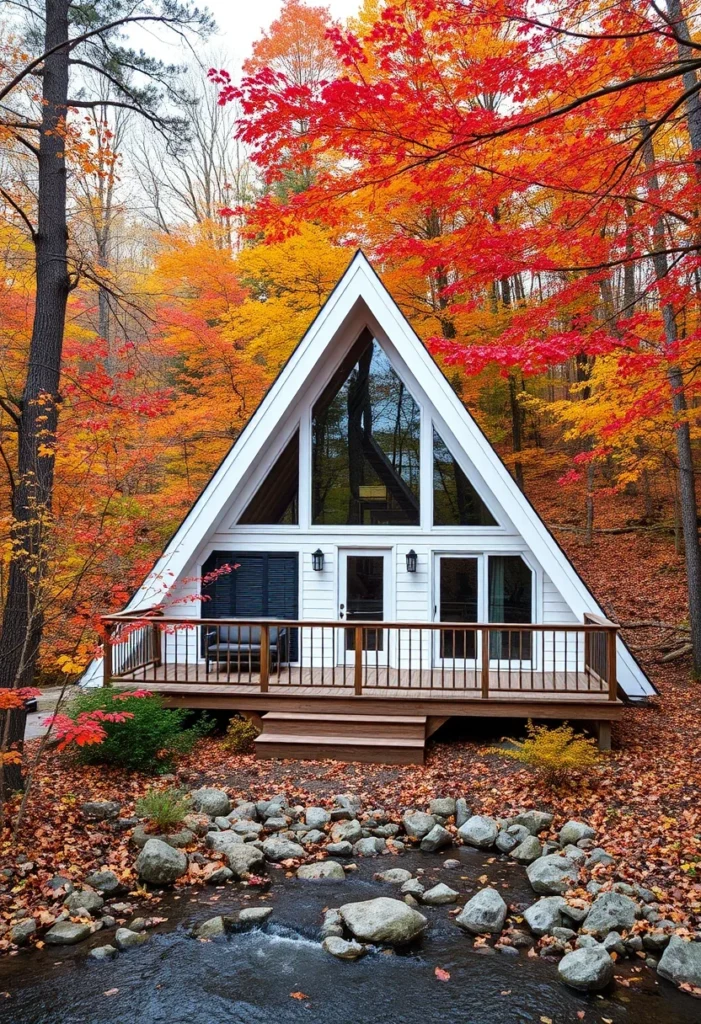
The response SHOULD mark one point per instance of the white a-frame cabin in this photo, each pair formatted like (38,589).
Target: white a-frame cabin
(370,567)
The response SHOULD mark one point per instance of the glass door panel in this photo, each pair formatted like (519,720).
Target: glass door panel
(510,601)
(363,593)
(458,601)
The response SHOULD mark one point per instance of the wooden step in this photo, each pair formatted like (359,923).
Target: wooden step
(374,739)
(379,726)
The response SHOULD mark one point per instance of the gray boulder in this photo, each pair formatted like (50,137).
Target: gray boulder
(535,821)
(371,846)
(317,817)
(574,853)
(101,810)
(213,802)
(246,810)
(480,831)
(160,864)
(105,882)
(527,851)
(84,900)
(313,836)
(462,811)
(342,949)
(485,912)
(213,928)
(394,876)
(101,953)
(658,939)
(276,849)
(442,806)
(347,831)
(417,824)
(383,920)
(244,826)
(588,970)
(681,962)
(342,849)
(553,875)
(21,932)
(221,842)
(245,859)
(254,915)
(610,912)
(125,938)
(572,831)
(413,887)
(599,856)
(220,876)
(349,802)
(439,895)
(511,837)
(199,824)
(333,923)
(544,915)
(67,933)
(437,839)
(321,869)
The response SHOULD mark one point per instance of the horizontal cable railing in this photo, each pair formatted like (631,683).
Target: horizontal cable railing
(480,661)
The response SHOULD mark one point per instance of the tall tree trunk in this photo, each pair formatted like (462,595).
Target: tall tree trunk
(689,80)
(22,616)
(685,460)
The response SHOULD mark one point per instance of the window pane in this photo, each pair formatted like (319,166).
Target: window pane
(458,603)
(510,600)
(275,501)
(455,501)
(365,598)
(365,446)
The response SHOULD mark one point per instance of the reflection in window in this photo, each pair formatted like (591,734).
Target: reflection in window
(275,501)
(365,445)
(455,500)
(510,600)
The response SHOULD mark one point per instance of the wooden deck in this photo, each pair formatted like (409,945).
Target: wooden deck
(384,682)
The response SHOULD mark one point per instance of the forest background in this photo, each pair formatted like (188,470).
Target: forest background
(525,179)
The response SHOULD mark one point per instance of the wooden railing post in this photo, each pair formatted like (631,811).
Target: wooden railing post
(485,664)
(611,663)
(358,648)
(264,656)
(107,657)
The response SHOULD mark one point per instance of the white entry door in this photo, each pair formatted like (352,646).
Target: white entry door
(363,596)
(458,600)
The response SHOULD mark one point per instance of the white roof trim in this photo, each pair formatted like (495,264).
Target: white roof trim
(360,283)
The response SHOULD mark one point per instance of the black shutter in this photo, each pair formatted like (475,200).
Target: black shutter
(265,586)
(250,587)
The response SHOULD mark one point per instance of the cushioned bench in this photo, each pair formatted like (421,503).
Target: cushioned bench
(239,647)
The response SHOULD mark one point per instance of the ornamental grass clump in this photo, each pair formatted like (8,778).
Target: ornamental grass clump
(555,755)
(164,808)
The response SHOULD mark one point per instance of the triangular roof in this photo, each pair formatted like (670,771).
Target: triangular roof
(360,286)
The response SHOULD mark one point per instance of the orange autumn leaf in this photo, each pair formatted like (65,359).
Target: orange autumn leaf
(442,974)
(298,995)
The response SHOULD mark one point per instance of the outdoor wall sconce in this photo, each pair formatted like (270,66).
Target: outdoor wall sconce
(318,560)
(411,561)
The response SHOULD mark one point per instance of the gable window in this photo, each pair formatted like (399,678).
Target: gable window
(276,500)
(455,500)
(365,444)
(510,600)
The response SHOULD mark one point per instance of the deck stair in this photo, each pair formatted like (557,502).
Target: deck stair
(374,739)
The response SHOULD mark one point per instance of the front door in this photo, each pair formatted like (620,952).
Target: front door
(363,597)
(457,601)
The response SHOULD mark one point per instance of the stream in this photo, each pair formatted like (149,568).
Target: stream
(250,977)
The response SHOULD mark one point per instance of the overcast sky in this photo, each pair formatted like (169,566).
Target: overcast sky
(240,23)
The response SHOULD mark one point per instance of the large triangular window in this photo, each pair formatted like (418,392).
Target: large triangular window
(365,444)
(455,500)
(275,503)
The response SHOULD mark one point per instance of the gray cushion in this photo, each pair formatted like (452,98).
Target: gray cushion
(243,635)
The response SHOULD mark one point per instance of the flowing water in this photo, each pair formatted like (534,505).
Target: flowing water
(250,977)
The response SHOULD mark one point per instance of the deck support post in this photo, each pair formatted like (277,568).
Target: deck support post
(611,663)
(264,656)
(603,729)
(485,664)
(107,658)
(358,655)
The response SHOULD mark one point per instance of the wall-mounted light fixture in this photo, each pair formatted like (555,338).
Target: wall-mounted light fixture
(411,561)
(318,560)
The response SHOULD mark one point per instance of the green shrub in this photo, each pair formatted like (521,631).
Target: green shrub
(554,754)
(240,735)
(164,808)
(149,742)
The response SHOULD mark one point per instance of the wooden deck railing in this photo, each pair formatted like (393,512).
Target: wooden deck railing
(487,660)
